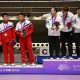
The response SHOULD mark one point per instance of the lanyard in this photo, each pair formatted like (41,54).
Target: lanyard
(64,19)
(22,26)
(53,20)
(5,26)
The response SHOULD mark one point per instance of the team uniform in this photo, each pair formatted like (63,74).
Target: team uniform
(25,42)
(76,25)
(54,35)
(66,33)
(7,38)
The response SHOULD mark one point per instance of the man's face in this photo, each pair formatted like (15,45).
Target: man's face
(5,17)
(53,11)
(78,12)
(64,13)
(21,17)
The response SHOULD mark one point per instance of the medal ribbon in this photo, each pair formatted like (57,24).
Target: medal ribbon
(64,19)
(22,26)
(5,26)
(53,20)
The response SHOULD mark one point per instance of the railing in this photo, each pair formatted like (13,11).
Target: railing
(39,1)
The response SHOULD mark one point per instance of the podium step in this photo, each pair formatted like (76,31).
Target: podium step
(60,67)
(19,69)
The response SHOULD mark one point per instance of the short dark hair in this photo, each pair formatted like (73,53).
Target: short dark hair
(54,9)
(23,14)
(65,8)
(3,14)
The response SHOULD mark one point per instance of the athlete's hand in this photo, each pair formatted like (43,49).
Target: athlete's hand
(53,28)
(23,35)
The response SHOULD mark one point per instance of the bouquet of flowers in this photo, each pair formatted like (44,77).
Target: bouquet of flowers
(57,24)
(69,25)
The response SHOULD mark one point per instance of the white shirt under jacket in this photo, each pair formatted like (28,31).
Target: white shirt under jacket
(49,26)
(76,23)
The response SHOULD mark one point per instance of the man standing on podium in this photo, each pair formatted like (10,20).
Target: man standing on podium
(76,25)
(54,25)
(7,39)
(66,32)
(24,30)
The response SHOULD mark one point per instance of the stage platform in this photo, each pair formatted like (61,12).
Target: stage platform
(63,67)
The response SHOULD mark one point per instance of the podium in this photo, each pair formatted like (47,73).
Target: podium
(60,67)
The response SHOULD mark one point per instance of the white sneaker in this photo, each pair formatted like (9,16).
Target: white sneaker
(71,58)
(5,64)
(63,58)
(57,58)
(33,64)
(79,58)
(24,64)
(12,64)
(51,58)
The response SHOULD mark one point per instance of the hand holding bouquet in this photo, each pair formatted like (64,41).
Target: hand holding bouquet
(57,24)
(23,33)
(69,25)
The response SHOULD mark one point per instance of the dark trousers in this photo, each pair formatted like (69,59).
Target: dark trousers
(0,48)
(77,41)
(66,37)
(54,45)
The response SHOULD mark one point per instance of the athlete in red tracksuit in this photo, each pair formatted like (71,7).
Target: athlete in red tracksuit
(7,39)
(24,30)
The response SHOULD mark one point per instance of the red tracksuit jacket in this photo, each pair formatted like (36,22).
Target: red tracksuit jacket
(27,25)
(7,32)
